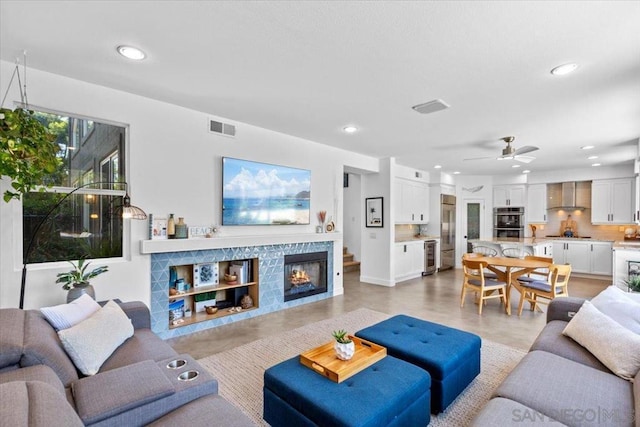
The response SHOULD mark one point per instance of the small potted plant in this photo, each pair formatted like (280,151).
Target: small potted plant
(76,281)
(633,283)
(344,346)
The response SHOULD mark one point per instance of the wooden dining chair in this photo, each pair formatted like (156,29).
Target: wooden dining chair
(556,286)
(475,281)
(538,273)
(488,274)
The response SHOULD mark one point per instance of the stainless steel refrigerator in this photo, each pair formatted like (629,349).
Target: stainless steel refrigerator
(447,231)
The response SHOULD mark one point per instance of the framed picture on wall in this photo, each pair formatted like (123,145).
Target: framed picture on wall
(373,212)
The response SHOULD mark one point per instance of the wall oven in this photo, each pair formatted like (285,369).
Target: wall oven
(508,223)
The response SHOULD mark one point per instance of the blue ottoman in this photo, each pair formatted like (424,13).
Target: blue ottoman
(451,356)
(390,392)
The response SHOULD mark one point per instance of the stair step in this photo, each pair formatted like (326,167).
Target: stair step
(351,263)
(344,249)
(347,257)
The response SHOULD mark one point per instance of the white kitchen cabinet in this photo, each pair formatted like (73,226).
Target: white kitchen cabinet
(409,260)
(601,258)
(612,201)
(412,204)
(509,195)
(543,249)
(536,208)
(576,253)
(584,256)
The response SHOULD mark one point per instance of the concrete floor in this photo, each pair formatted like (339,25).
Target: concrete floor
(435,298)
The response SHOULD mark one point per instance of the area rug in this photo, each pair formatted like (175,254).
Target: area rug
(240,370)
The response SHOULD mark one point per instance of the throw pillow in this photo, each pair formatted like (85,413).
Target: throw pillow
(64,316)
(614,345)
(615,303)
(92,341)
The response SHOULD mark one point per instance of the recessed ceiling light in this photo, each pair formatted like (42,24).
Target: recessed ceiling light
(515,166)
(561,70)
(588,147)
(437,167)
(131,52)
(526,171)
(596,164)
(592,157)
(456,173)
(350,129)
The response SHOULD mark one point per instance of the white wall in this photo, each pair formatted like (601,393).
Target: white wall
(377,243)
(174,166)
(353,215)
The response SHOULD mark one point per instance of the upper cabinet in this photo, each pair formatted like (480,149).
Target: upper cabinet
(508,195)
(412,202)
(537,203)
(612,201)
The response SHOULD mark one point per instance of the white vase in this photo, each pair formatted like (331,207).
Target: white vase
(344,351)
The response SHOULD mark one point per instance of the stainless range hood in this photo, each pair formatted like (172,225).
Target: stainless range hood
(563,196)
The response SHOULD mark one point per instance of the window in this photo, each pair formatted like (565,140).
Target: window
(87,223)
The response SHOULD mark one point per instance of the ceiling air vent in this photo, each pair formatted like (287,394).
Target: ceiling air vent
(222,128)
(431,106)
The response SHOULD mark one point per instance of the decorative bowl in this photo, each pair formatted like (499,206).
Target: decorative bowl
(211,309)
(230,277)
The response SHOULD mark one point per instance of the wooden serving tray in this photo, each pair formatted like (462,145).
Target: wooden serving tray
(324,361)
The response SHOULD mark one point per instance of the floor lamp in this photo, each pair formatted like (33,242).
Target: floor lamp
(128,212)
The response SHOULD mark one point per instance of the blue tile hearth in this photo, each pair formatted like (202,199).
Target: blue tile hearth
(270,281)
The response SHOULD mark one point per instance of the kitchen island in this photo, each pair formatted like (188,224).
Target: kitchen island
(527,245)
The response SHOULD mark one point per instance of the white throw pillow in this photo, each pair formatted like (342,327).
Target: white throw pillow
(614,345)
(616,304)
(64,316)
(92,341)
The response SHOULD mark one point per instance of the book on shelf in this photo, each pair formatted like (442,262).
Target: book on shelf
(157,227)
(241,269)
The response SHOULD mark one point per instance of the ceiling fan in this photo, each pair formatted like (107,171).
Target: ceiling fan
(510,153)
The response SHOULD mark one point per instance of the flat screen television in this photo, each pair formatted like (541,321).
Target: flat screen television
(256,193)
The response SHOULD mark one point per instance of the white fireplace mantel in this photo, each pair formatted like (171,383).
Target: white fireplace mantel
(181,245)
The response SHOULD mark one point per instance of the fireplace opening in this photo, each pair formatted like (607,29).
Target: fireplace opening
(305,275)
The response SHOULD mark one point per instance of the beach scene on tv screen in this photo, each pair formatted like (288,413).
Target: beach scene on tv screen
(256,193)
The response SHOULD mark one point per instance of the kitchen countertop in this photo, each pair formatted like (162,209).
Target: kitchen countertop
(626,245)
(538,240)
(417,238)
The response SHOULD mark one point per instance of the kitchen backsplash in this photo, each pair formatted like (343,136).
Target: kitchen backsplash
(585,228)
(406,231)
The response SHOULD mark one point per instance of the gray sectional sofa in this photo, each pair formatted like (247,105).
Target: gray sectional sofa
(559,382)
(40,386)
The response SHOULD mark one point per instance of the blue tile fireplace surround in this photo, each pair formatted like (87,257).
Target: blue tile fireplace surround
(270,278)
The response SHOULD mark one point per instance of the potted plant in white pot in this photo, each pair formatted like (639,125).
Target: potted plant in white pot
(344,346)
(76,281)
(633,283)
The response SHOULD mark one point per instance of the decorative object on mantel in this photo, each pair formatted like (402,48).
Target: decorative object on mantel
(344,346)
(171,227)
(373,212)
(182,231)
(128,210)
(76,281)
(331,226)
(322,216)
(30,150)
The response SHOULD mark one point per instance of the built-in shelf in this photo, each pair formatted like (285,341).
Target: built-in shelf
(181,245)
(201,317)
(203,289)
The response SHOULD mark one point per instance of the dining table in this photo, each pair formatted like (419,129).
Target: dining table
(509,269)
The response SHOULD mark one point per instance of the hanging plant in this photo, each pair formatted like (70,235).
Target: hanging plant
(28,151)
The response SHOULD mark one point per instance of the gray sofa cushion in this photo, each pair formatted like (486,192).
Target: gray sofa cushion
(35,404)
(501,412)
(111,393)
(143,345)
(636,396)
(551,340)
(204,412)
(569,392)
(40,373)
(11,336)
(42,347)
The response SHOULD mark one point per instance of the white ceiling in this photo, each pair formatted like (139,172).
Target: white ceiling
(310,68)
